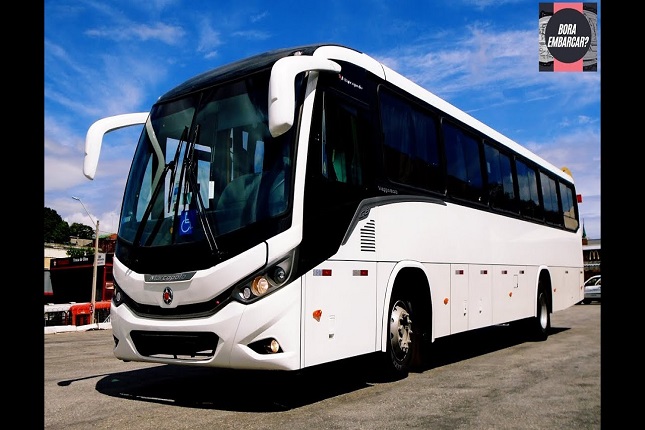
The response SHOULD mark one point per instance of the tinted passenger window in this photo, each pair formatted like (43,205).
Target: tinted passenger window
(410,144)
(568,198)
(550,198)
(528,189)
(464,174)
(501,192)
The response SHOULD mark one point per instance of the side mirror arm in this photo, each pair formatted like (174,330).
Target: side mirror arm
(281,88)
(94,137)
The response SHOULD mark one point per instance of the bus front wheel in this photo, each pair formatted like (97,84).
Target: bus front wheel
(401,346)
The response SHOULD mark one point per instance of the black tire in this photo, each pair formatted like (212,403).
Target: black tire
(541,323)
(586,301)
(402,345)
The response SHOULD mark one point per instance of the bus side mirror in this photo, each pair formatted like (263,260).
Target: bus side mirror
(95,133)
(282,95)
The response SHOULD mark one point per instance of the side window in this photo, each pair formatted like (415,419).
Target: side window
(343,133)
(528,191)
(567,196)
(410,143)
(463,164)
(550,198)
(501,189)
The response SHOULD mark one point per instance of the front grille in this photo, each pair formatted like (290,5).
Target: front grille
(177,345)
(194,310)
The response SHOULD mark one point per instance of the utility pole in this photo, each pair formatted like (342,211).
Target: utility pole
(96,261)
(94,270)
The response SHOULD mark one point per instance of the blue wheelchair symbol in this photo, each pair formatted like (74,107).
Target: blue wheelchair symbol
(187,222)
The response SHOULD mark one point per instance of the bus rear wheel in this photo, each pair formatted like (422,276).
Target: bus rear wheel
(401,346)
(541,323)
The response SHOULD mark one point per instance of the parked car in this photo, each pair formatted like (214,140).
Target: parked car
(592,290)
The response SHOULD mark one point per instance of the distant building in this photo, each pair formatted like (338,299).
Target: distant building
(52,251)
(56,250)
(69,279)
(591,257)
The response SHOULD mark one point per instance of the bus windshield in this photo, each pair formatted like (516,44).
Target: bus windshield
(205,166)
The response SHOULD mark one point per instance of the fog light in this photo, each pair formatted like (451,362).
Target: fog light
(266,346)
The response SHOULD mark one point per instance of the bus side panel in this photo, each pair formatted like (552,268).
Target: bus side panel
(471,297)
(458,298)
(383,295)
(526,293)
(340,311)
(506,293)
(565,287)
(394,241)
(439,275)
(480,285)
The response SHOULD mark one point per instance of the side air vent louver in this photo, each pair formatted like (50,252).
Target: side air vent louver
(368,237)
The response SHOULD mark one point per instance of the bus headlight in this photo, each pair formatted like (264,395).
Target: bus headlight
(261,284)
(252,290)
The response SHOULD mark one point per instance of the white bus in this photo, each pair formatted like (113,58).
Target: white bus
(308,205)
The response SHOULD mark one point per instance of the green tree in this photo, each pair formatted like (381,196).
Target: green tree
(55,229)
(80,252)
(81,231)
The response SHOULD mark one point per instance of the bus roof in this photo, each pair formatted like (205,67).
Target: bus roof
(238,68)
(335,51)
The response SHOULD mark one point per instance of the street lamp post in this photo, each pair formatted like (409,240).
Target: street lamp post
(96,255)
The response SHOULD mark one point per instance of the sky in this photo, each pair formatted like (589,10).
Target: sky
(104,58)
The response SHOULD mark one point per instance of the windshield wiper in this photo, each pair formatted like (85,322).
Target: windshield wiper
(173,166)
(155,193)
(191,188)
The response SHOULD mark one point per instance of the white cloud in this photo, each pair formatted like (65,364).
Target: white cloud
(208,37)
(169,34)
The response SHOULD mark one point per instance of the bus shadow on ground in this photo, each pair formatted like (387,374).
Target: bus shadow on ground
(473,343)
(276,391)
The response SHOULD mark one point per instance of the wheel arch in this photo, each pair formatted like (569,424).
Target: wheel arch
(411,279)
